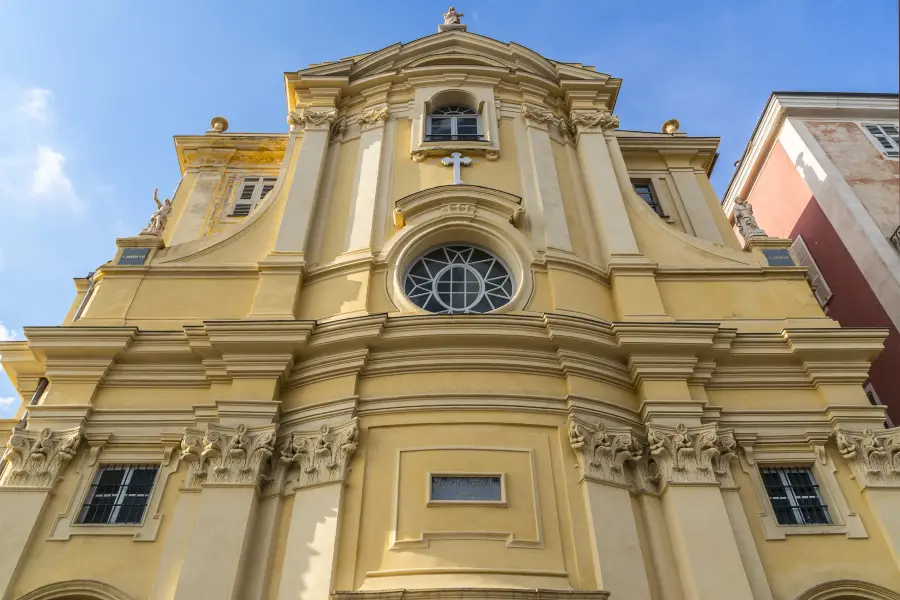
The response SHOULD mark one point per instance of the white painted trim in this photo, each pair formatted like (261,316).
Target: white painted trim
(880,123)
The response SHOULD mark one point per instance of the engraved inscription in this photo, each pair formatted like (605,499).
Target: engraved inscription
(462,488)
(133,256)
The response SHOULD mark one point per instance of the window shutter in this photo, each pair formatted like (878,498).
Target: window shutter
(803,257)
(245,201)
(886,136)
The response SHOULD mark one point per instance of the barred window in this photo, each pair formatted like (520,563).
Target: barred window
(795,496)
(119,495)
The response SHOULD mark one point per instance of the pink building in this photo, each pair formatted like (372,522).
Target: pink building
(822,169)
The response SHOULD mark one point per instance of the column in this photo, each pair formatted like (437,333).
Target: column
(227,464)
(361,214)
(202,177)
(618,559)
(546,180)
(33,462)
(293,232)
(691,462)
(311,548)
(874,457)
(695,204)
(608,206)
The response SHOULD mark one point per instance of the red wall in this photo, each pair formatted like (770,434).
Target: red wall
(785,207)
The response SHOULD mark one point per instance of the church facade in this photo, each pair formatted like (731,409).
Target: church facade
(457,334)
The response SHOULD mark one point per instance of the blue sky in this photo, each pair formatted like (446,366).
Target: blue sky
(91,93)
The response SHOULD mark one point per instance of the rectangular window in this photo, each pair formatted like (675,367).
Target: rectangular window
(644,189)
(885,136)
(803,257)
(795,496)
(253,191)
(119,495)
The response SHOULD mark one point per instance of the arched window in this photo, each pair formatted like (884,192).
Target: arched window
(454,122)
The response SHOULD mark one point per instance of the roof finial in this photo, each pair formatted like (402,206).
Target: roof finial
(452,21)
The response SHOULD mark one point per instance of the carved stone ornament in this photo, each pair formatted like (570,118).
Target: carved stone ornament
(451,17)
(306,118)
(37,458)
(158,220)
(695,455)
(321,456)
(602,453)
(227,455)
(593,121)
(745,221)
(873,456)
(375,117)
(537,117)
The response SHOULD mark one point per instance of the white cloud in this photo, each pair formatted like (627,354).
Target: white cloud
(36,104)
(8,401)
(49,181)
(7,334)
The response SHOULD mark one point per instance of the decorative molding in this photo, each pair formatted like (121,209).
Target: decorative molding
(305,118)
(873,456)
(471,594)
(227,455)
(88,588)
(594,121)
(322,456)
(375,117)
(37,458)
(536,117)
(696,455)
(215,158)
(602,452)
(844,588)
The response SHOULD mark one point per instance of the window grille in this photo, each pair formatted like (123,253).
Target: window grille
(885,136)
(644,189)
(253,191)
(803,257)
(795,496)
(454,123)
(119,495)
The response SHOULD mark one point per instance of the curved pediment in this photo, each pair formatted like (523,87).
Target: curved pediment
(460,199)
(453,58)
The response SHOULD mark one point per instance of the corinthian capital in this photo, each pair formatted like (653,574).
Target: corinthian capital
(36,459)
(537,117)
(593,121)
(322,456)
(375,117)
(602,452)
(873,456)
(692,455)
(228,454)
(307,118)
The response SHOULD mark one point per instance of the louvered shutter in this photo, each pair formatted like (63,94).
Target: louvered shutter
(245,200)
(886,136)
(803,257)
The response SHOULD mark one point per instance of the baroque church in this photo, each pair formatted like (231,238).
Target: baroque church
(457,334)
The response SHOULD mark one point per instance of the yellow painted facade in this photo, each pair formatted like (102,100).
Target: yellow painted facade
(302,410)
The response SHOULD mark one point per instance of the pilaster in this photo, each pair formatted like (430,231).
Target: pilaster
(31,466)
(602,456)
(203,174)
(314,466)
(546,179)
(698,210)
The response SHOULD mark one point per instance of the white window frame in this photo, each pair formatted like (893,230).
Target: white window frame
(892,153)
(258,185)
(803,257)
(817,459)
(66,524)
(453,123)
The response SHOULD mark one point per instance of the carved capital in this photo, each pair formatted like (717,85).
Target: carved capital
(692,455)
(228,454)
(308,119)
(536,117)
(874,456)
(374,118)
(37,458)
(593,121)
(602,452)
(321,456)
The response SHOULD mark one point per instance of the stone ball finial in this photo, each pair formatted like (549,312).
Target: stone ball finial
(671,126)
(219,124)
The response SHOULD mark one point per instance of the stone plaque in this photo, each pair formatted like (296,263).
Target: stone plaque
(778,257)
(133,256)
(466,488)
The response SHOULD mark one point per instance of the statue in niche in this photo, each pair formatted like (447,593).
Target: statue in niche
(745,221)
(451,17)
(160,216)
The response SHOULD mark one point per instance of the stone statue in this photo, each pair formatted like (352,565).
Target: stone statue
(745,221)
(451,17)
(158,219)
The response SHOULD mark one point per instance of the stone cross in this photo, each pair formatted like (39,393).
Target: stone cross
(457,160)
